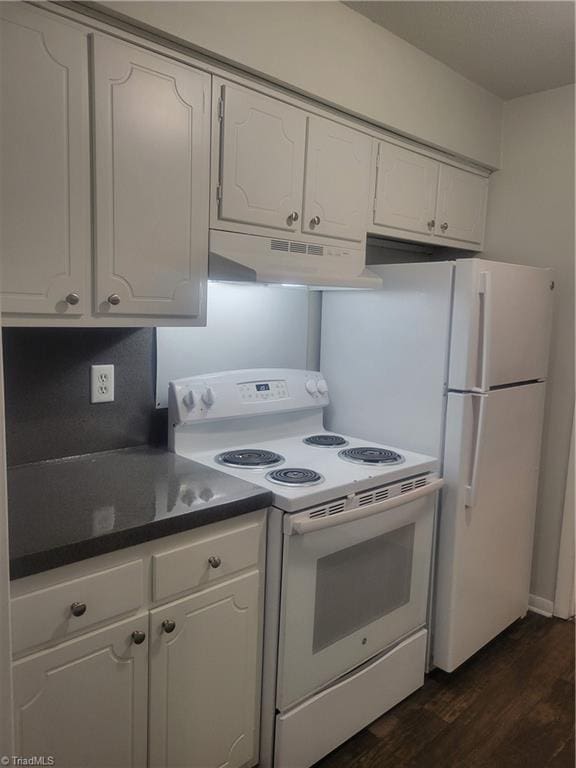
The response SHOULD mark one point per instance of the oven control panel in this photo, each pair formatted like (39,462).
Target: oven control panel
(234,394)
(251,391)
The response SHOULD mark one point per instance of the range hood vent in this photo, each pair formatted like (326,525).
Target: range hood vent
(251,258)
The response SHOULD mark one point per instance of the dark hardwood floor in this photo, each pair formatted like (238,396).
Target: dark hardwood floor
(510,706)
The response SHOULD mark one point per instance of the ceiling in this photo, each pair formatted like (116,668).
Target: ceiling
(510,47)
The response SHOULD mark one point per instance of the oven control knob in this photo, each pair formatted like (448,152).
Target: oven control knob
(208,397)
(311,387)
(322,387)
(189,400)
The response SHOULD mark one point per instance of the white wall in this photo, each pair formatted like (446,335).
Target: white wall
(249,326)
(328,51)
(531,221)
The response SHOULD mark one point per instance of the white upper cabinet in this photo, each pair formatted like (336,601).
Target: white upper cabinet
(45,161)
(406,188)
(336,183)
(423,199)
(261,160)
(152,151)
(461,207)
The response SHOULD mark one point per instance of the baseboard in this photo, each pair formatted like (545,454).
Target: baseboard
(540,605)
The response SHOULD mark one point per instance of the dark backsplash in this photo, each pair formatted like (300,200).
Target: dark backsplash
(47,381)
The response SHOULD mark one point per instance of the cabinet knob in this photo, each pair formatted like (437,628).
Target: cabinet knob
(78,609)
(138,637)
(314,221)
(431,223)
(444,226)
(114,299)
(72,299)
(294,216)
(168,626)
(215,562)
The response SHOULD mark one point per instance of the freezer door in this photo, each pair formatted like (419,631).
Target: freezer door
(384,354)
(486,518)
(501,324)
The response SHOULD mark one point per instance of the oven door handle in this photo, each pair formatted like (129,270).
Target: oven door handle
(295,524)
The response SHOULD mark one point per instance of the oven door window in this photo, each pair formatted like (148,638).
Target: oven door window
(358,585)
(349,592)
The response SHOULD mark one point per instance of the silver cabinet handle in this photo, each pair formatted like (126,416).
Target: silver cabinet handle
(444,226)
(314,221)
(138,637)
(215,562)
(168,626)
(293,217)
(114,299)
(72,299)
(78,609)
(431,223)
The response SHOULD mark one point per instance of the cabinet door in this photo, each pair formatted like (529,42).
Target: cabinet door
(461,207)
(336,181)
(45,160)
(204,683)
(84,702)
(261,160)
(406,188)
(152,149)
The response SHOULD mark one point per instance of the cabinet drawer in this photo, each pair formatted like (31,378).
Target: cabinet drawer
(189,567)
(46,615)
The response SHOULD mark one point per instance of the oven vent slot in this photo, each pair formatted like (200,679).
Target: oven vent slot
(328,509)
(297,247)
(373,497)
(316,250)
(280,245)
(420,482)
(407,487)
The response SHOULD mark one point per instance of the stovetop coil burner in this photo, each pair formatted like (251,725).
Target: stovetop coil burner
(325,441)
(250,458)
(295,476)
(371,455)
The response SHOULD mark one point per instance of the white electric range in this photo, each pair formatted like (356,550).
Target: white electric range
(349,552)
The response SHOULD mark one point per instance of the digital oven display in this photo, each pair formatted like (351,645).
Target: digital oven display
(262,387)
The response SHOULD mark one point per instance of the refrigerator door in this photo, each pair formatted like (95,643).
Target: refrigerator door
(501,324)
(385,357)
(487,518)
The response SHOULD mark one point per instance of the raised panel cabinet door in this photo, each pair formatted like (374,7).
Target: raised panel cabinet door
(461,207)
(204,678)
(152,154)
(406,186)
(261,160)
(336,180)
(85,702)
(45,161)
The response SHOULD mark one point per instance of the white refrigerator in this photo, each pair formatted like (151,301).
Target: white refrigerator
(450,359)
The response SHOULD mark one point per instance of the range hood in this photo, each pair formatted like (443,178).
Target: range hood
(251,258)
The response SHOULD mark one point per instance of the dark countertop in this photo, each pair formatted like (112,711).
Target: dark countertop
(66,510)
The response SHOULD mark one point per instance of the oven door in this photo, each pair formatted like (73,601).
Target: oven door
(351,589)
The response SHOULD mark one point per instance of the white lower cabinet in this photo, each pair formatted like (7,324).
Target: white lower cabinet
(85,702)
(169,685)
(204,699)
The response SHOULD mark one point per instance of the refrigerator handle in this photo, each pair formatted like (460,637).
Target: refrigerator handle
(471,489)
(485,296)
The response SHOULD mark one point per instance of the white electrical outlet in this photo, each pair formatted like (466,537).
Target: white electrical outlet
(101,383)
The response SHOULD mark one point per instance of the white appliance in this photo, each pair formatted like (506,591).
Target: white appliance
(253,258)
(349,552)
(451,358)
